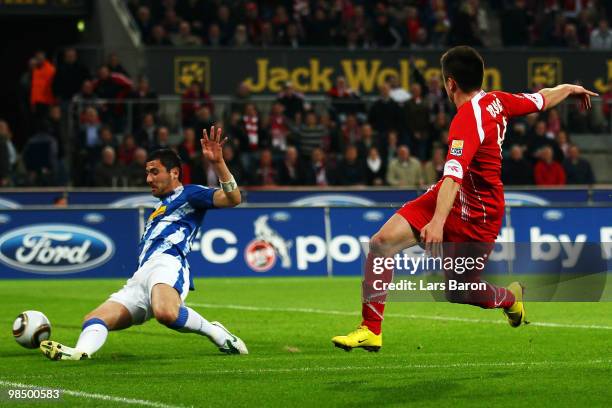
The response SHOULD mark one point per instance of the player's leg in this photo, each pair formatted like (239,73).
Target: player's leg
(395,235)
(464,243)
(168,309)
(108,316)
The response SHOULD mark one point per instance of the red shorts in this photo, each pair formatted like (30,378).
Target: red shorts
(420,211)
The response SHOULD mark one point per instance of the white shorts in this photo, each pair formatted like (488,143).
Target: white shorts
(136,293)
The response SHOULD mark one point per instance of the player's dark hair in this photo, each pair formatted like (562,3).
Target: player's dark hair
(465,65)
(169,159)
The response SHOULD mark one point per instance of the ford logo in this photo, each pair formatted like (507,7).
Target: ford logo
(55,249)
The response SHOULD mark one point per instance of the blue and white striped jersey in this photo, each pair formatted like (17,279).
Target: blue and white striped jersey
(174,223)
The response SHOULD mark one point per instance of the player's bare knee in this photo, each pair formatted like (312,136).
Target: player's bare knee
(380,245)
(165,315)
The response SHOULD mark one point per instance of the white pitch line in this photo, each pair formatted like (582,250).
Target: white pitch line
(405,367)
(398,315)
(88,395)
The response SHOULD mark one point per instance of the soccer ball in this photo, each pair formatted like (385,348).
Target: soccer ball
(30,328)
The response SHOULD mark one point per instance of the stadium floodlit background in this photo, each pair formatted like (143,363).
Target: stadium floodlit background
(336,114)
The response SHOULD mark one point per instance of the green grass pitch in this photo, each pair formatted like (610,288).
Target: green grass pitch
(434,354)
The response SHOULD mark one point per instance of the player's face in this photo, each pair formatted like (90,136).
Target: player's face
(161,181)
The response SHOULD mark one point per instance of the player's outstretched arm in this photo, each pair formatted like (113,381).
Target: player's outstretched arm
(556,95)
(212,149)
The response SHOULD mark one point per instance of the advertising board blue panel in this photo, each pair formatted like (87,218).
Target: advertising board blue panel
(68,243)
(261,242)
(304,198)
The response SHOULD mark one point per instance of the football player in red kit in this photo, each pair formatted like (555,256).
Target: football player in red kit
(467,204)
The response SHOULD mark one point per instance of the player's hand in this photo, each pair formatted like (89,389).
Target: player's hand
(431,235)
(212,146)
(578,91)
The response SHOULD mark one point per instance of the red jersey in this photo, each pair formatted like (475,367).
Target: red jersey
(474,156)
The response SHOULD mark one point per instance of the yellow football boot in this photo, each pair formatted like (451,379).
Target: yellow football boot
(56,351)
(516,312)
(361,338)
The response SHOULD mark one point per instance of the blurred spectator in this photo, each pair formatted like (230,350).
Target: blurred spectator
(171,21)
(294,37)
(350,130)
(350,171)
(145,137)
(367,140)
(515,23)
(135,169)
(144,22)
(280,21)
(563,142)
(87,97)
(577,169)
(40,159)
(226,23)
(516,170)
(203,120)
(417,114)
(159,37)
(264,173)
(319,28)
(292,100)
(163,138)
(69,76)
(241,38)
(41,92)
(553,122)
(241,98)
(107,138)
(464,30)
(548,172)
(233,164)
(290,172)
(251,128)
(440,29)
(539,139)
(397,93)
(143,100)
(385,114)
(404,171)
(192,100)
(252,22)
(601,37)
(278,128)
(344,99)
(127,149)
(570,36)
(434,168)
(188,151)
(384,34)
(114,64)
(9,153)
(374,169)
(107,172)
(89,135)
(389,147)
(184,37)
(114,87)
(310,135)
(213,38)
(318,172)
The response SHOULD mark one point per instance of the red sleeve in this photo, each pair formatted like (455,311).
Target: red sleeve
(561,171)
(538,176)
(463,142)
(521,104)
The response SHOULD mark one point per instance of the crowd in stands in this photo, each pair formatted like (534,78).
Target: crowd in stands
(398,139)
(371,24)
